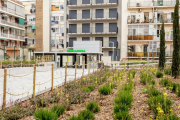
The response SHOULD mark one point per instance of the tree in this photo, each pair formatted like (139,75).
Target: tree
(175,58)
(162,58)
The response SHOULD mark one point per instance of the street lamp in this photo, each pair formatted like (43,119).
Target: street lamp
(113,48)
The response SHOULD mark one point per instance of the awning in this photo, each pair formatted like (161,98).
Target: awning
(21,21)
(2,26)
(56,5)
(33,27)
(3,39)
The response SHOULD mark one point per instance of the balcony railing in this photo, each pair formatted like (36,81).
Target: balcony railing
(11,11)
(31,22)
(141,37)
(13,36)
(11,23)
(92,2)
(93,30)
(145,54)
(140,4)
(95,16)
(165,3)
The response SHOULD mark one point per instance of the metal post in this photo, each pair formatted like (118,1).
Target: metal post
(4,89)
(89,68)
(83,70)
(34,82)
(75,69)
(52,82)
(65,73)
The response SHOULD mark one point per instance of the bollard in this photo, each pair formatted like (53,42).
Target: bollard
(34,82)
(52,82)
(75,69)
(89,68)
(83,70)
(65,73)
(4,89)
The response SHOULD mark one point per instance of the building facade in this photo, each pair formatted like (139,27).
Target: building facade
(12,28)
(30,29)
(94,20)
(143,25)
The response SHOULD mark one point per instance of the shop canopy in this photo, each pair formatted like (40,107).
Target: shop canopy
(3,39)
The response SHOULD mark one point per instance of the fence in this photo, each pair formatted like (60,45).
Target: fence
(35,79)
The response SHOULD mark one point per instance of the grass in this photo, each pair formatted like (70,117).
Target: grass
(83,115)
(93,107)
(58,109)
(105,90)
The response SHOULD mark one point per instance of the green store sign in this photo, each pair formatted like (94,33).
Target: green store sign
(76,50)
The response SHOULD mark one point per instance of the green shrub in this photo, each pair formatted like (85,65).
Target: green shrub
(152,92)
(91,88)
(169,117)
(122,116)
(165,82)
(45,114)
(86,115)
(93,107)
(131,74)
(146,78)
(128,87)
(86,89)
(165,103)
(105,90)
(58,109)
(159,74)
(120,108)
(167,71)
(124,97)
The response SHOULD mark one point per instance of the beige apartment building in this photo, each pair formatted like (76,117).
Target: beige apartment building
(12,28)
(94,20)
(143,25)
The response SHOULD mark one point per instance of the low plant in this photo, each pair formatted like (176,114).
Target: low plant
(45,114)
(88,89)
(152,92)
(147,78)
(83,115)
(159,74)
(58,109)
(122,116)
(167,71)
(161,102)
(93,107)
(121,108)
(169,117)
(105,90)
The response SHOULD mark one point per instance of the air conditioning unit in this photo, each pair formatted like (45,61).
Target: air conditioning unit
(139,10)
(155,9)
(138,4)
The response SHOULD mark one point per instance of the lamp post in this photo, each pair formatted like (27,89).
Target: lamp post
(113,48)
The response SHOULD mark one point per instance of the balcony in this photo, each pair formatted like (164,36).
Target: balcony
(93,16)
(165,3)
(14,12)
(143,4)
(85,3)
(12,36)
(145,54)
(12,48)
(92,30)
(30,23)
(11,23)
(31,34)
(141,37)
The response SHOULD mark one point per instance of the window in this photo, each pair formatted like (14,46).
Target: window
(99,27)
(99,1)
(71,40)
(73,14)
(73,2)
(72,28)
(112,40)
(99,13)
(86,28)
(85,1)
(112,1)
(85,38)
(113,13)
(61,7)
(55,30)
(112,27)
(55,8)
(55,18)
(85,14)
(61,18)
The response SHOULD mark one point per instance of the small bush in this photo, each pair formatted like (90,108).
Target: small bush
(122,116)
(88,89)
(165,81)
(45,114)
(128,87)
(159,74)
(120,108)
(152,92)
(93,107)
(165,103)
(58,109)
(91,88)
(167,71)
(146,78)
(86,115)
(105,90)
(124,97)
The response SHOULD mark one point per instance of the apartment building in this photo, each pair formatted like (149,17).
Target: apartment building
(143,26)
(30,29)
(94,20)
(12,28)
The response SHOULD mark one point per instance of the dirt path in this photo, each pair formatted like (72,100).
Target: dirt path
(174,98)
(140,109)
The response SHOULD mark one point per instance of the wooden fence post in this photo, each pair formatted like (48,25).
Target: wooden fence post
(89,68)
(52,82)
(93,65)
(1,63)
(83,70)
(75,69)
(4,89)
(34,82)
(65,73)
